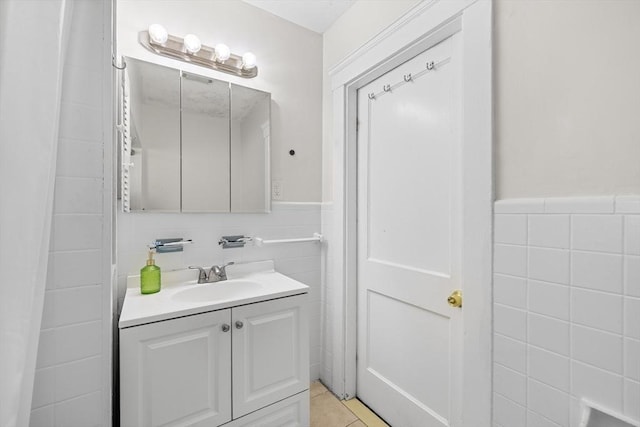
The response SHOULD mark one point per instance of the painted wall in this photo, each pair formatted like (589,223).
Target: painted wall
(360,23)
(290,67)
(566,309)
(567,96)
(72,384)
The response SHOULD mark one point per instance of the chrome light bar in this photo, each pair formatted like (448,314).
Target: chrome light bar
(174,47)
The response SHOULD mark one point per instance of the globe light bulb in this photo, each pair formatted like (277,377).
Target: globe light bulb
(192,43)
(222,52)
(158,33)
(248,61)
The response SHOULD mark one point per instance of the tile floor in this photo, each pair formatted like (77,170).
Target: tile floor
(328,411)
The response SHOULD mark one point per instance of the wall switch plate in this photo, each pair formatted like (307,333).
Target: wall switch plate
(276,190)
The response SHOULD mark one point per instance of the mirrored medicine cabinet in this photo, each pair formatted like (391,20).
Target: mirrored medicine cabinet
(191,143)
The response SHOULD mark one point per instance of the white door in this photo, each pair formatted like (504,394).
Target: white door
(270,352)
(177,372)
(409,215)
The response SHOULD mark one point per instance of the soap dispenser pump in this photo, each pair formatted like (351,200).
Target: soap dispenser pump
(150,276)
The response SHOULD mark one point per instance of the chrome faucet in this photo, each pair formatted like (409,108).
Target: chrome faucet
(217,273)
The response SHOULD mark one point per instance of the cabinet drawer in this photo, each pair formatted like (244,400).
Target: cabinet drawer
(290,412)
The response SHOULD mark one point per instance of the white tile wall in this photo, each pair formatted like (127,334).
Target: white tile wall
(632,235)
(549,368)
(508,382)
(508,413)
(550,265)
(549,299)
(548,401)
(300,261)
(509,290)
(71,386)
(597,271)
(566,309)
(549,231)
(632,275)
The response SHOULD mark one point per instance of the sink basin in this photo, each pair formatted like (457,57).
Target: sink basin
(180,296)
(218,291)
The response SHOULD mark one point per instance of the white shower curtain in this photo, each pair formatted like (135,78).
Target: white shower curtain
(33,39)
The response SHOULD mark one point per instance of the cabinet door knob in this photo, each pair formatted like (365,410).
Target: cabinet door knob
(239,325)
(225,328)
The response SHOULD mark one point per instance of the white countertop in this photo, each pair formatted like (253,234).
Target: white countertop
(139,309)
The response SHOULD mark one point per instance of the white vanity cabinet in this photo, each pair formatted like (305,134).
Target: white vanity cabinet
(240,366)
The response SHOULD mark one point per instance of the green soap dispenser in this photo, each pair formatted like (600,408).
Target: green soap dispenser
(150,276)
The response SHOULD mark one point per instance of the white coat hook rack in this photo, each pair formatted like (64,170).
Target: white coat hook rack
(390,87)
(317,237)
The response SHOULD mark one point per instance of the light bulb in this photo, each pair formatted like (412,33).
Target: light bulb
(222,52)
(158,33)
(192,43)
(248,61)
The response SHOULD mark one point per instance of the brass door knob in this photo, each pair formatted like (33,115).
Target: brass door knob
(455,299)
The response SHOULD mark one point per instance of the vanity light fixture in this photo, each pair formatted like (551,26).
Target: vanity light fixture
(190,49)
(222,52)
(158,33)
(248,61)
(192,43)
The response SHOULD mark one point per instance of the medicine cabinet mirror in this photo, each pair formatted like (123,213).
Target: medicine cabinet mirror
(192,143)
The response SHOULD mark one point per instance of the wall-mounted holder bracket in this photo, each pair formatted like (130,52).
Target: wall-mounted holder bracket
(238,241)
(594,414)
(170,245)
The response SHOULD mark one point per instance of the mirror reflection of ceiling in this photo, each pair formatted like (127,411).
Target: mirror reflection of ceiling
(200,94)
(206,96)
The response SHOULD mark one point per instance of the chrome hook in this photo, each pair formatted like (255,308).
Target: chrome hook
(407,77)
(387,88)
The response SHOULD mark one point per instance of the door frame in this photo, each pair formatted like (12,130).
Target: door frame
(421,27)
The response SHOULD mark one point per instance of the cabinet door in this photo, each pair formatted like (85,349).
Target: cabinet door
(270,352)
(177,372)
(290,412)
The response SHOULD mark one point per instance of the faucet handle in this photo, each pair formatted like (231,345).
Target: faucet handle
(221,267)
(224,269)
(220,271)
(202,274)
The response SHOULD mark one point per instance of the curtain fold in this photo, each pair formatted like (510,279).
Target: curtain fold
(33,40)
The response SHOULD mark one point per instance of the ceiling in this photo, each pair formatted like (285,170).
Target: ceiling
(316,15)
